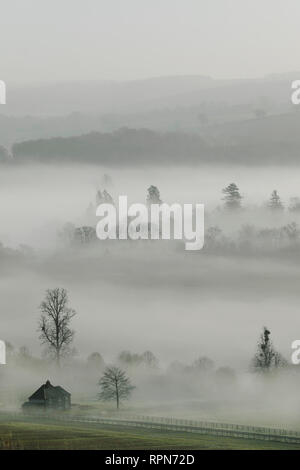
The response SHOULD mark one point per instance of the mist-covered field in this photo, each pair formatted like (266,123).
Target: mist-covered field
(37,200)
(155,296)
(158,286)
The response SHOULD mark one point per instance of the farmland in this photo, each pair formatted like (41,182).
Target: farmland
(29,433)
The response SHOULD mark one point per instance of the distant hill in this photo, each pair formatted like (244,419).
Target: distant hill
(97,96)
(125,146)
(281,129)
(178,104)
(262,140)
(100,97)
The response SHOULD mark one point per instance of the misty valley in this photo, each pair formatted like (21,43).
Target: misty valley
(186,327)
(149,227)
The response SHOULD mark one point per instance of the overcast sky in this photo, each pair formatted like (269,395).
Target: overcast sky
(54,40)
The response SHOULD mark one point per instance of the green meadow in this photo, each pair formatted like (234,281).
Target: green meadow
(30,434)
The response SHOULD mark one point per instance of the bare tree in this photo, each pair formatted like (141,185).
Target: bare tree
(54,323)
(149,360)
(115,385)
(266,357)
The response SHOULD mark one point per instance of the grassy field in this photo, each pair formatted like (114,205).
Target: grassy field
(28,434)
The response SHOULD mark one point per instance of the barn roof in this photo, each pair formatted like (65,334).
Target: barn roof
(47,390)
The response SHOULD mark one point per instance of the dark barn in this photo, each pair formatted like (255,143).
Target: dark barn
(50,397)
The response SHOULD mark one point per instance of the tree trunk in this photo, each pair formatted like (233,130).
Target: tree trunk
(117,396)
(57,359)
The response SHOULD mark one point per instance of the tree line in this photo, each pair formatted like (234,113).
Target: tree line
(57,336)
(115,383)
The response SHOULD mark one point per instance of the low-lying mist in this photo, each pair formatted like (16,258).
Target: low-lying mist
(139,296)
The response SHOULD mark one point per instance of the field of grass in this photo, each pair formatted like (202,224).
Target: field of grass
(30,434)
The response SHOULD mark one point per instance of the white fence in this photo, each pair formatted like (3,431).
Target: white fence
(173,424)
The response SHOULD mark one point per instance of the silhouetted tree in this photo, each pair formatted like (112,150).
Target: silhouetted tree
(149,360)
(153,196)
(84,235)
(54,323)
(104,198)
(291,231)
(204,364)
(114,385)
(275,202)
(128,359)
(266,357)
(95,361)
(232,197)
